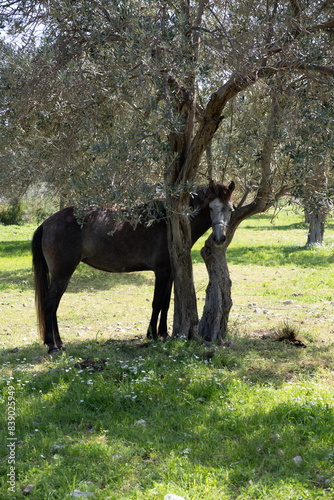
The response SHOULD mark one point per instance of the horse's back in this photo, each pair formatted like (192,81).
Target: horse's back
(121,246)
(103,242)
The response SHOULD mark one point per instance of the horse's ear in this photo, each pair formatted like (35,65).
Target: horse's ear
(212,186)
(231,187)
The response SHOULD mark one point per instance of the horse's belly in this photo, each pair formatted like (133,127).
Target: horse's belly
(116,265)
(107,258)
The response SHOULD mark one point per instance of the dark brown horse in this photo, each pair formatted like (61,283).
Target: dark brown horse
(60,243)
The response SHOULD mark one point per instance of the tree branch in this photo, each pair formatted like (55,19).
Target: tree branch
(264,197)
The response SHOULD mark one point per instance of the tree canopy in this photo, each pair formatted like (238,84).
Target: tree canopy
(100,90)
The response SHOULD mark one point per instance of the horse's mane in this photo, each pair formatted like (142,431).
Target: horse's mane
(155,210)
(203,194)
(207,193)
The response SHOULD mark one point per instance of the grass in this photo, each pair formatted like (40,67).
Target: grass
(122,418)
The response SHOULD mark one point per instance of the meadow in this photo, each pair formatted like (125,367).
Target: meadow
(120,417)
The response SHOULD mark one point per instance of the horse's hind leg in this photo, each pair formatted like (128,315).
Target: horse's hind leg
(56,334)
(162,278)
(51,303)
(163,330)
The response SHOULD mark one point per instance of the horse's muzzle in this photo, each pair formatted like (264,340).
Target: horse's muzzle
(220,240)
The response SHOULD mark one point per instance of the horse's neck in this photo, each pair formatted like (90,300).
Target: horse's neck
(200,224)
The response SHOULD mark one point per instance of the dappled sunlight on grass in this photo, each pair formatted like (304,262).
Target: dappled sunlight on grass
(282,256)
(161,414)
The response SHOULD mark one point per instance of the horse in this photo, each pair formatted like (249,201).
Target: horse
(105,242)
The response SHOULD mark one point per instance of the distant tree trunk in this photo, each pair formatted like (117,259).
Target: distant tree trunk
(315,205)
(316,228)
(218,302)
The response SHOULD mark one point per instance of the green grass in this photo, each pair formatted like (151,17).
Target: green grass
(123,418)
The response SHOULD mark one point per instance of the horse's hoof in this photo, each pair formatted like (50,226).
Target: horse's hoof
(164,336)
(53,351)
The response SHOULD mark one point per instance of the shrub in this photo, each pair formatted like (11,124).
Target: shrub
(11,214)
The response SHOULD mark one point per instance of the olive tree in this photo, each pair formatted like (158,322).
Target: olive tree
(159,75)
(310,148)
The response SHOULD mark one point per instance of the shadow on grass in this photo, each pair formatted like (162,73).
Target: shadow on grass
(301,224)
(240,356)
(274,227)
(19,279)
(192,424)
(15,248)
(266,361)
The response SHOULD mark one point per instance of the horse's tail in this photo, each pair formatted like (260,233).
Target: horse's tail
(42,278)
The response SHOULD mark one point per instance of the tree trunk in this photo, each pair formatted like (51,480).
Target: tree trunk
(316,228)
(315,204)
(218,302)
(185,304)
(177,175)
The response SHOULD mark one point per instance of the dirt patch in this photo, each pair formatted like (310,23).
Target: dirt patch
(287,335)
(94,365)
(137,342)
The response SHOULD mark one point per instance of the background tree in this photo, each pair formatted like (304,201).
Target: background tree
(154,80)
(309,147)
(302,158)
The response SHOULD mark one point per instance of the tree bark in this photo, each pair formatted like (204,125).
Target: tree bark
(185,304)
(179,232)
(218,302)
(177,175)
(316,228)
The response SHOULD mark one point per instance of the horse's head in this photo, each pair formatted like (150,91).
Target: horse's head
(220,209)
